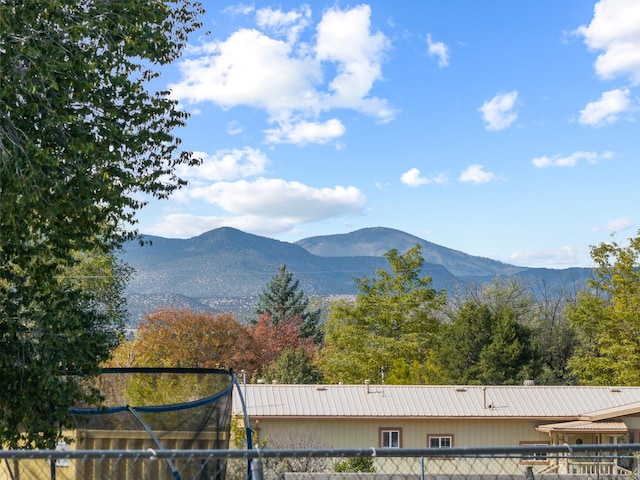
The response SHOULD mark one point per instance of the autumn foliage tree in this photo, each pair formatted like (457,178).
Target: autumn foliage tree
(271,339)
(187,339)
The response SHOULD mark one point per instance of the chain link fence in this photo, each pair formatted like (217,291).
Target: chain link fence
(567,462)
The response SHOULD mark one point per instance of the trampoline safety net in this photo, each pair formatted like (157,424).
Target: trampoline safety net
(157,408)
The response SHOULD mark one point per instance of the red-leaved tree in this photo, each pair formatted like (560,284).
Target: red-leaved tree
(270,339)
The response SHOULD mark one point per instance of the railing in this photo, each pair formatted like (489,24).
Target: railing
(598,468)
(597,462)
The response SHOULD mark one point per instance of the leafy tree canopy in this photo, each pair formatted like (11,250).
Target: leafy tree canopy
(293,366)
(607,318)
(389,327)
(83,138)
(187,339)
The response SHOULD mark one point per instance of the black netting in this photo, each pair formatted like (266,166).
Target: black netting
(166,408)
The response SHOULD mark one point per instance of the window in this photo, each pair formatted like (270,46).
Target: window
(534,457)
(390,437)
(440,441)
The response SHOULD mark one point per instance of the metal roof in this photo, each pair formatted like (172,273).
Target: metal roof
(417,401)
(618,411)
(584,426)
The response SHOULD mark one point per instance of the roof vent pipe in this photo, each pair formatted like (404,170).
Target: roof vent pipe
(484,397)
(367,383)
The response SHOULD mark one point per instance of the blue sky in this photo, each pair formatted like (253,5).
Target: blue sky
(498,128)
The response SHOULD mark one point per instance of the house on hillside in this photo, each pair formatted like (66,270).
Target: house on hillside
(401,416)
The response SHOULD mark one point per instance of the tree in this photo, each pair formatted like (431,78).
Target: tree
(458,347)
(554,338)
(83,139)
(283,300)
(293,366)
(509,358)
(61,324)
(388,328)
(607,318)
(489,338)
(271,339)
(104,277)
(539,308)
(481,346)
(510,293)
(179,338)
(297,437)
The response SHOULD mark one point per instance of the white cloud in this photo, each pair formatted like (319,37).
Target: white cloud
(498,113)
(287,24)
(476,174)
(440,50)
(563,257)
(344,37)
(275,198)
(262,206)
(615,30)
(607,109)
(412,178)
(225,165)
(179,225)
(306,132)
(285,77)
(570,160)
(250,68)
(239,9)
(616,225)
(234,128)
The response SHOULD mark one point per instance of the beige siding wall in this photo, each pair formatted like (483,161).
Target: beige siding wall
(632,422)
(365,433)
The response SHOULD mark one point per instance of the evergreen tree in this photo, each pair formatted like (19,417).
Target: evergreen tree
(509,358)
(481,346)
(283,300)
(458,347)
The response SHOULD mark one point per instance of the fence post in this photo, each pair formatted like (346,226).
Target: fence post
(528,473)
(256,469)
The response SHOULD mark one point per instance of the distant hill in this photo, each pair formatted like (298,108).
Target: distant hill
(376,241)
(225,269)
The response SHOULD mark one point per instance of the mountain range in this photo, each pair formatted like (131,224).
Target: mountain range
(225,269)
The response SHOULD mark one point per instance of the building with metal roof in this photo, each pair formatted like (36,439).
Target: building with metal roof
(419,416)
(427,401)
